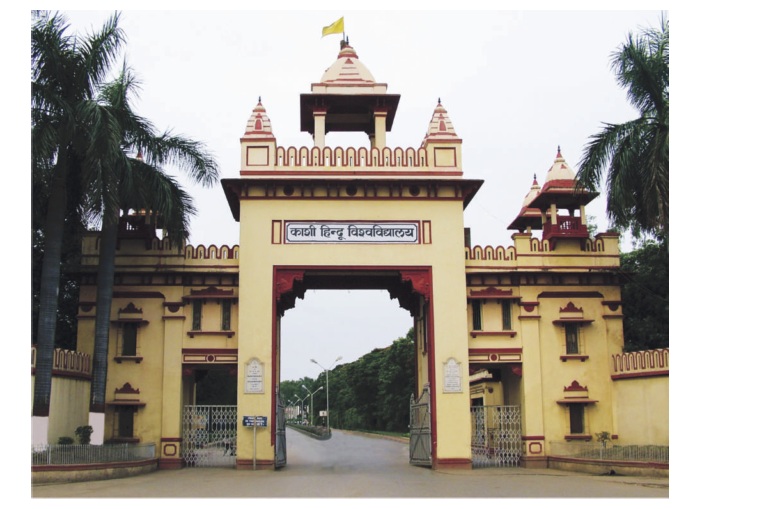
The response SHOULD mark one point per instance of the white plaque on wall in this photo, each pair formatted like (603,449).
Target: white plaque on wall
(452,376)
(254,377)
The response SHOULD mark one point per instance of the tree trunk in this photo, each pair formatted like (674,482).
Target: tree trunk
(49,286)
(106,269)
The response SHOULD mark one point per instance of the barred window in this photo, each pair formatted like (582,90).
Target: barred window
(197,308)
(125,422)
(226,315)
(572,333)
(129,339)
(576,418)
(476,315)
(506,314)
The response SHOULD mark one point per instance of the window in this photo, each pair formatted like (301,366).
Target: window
(506,314)
(226,315)
(129,339)
(125,422)
(476,315)
(572,333)
(197,308)
(576,418)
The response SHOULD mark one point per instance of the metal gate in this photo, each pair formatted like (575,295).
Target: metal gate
(496,436)
(209,435)
(420,430)
(280,446)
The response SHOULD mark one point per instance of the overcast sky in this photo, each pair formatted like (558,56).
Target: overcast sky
(516,86)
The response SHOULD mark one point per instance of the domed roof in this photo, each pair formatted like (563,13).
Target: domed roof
(528,217)
(348,75)
(440,126)
(560,170)
(347,69)
(259,125)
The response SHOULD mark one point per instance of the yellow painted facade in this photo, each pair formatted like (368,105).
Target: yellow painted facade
(533,324)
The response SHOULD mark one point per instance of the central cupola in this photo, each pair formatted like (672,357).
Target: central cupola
(348,99)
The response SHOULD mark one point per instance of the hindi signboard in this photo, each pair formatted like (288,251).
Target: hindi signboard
(357,232)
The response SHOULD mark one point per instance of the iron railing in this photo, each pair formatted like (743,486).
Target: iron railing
(612,452)
(76,454)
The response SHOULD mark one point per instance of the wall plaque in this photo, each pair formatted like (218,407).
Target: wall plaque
(358,232)
(254,377)
(452,376)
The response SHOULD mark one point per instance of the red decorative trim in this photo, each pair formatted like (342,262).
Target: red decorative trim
(320,173)
(245,464)
(569,295)
(173,306)
(171,439)
(565,358)
(585,438)
(509,333)
(575,386)
(612,304)
(210,292)
(129,320)
(134,358)
(204,351)
(533,437)
(645,374)
(570,308)
(130,308)
(453,463)
(138,295)
(169,449)
(494,350)
(170,463)
(535,448)
(582,321)
(491,293)
(420,280)
(127,389)
(227,333)
(86,307)
(285,280)
(125,402)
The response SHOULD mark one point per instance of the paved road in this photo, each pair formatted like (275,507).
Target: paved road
(351,465)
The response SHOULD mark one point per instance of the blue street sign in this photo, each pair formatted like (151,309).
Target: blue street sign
(254,421)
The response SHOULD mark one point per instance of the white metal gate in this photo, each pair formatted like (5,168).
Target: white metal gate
(420,430)
(209,435)
(496,436)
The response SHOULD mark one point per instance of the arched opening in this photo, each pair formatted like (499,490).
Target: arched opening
(407,288)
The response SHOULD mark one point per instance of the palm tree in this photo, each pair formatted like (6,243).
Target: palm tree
(120,181)
(636,152)
(66,71)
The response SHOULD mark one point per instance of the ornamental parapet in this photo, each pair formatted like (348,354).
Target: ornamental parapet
(431,160)
(69,363)
(645,363)
(601,252)
(351,157)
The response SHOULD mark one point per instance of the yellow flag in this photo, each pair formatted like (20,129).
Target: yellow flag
(335,28)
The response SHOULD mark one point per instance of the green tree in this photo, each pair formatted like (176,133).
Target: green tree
(125,173)
(645,295)
(66,71)
(635,154)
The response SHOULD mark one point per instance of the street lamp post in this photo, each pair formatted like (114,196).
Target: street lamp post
(300,400)
(311,408)
(326,370)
